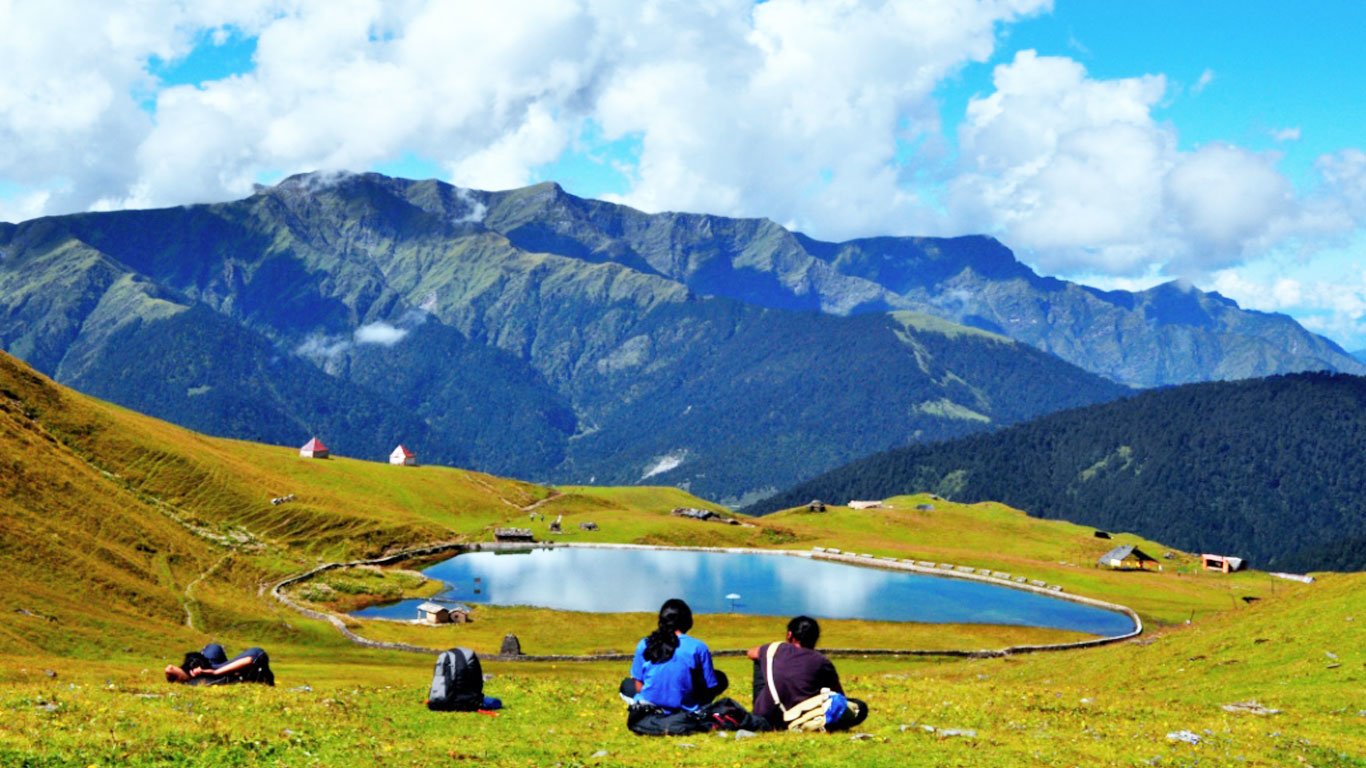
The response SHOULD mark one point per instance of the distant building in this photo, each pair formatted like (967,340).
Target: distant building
(1126,557)
(1221,563)
(816,505)
(403,457)
(865,505)
(314,449)
(434,613)
(693,513)
(513,534)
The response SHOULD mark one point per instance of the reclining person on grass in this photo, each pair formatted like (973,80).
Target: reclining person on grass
(212,666)
(797,688)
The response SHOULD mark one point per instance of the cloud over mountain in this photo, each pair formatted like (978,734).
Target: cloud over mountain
(826,117)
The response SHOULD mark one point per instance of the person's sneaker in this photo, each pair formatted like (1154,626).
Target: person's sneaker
(629,701)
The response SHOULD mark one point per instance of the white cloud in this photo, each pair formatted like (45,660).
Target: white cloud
(1286,134)
(25,206)
(791,109)
(380,333)
(798,110)
(1201,84)
(1078,173)
(1331,300)
(476,213)
(1344,176)
(70,121)
(323,348)
(1223,198)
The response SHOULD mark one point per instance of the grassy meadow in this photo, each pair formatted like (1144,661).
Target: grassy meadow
(128,541)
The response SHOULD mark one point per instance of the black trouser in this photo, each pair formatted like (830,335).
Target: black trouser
(704,695)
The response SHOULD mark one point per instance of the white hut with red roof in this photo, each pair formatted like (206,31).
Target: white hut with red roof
(314,449)
(403,457)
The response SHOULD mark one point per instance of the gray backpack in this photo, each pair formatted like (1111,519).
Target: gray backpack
(457,682)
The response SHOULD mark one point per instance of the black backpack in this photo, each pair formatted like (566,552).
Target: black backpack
(720,715)
(457,683)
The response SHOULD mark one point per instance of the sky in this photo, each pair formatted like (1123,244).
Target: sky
(1117,144)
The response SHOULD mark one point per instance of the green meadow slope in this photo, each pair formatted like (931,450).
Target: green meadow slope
(127,541)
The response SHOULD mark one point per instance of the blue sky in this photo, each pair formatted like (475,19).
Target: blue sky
(1120,144)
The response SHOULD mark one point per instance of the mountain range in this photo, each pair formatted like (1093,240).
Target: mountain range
(1266,469)
(536,334)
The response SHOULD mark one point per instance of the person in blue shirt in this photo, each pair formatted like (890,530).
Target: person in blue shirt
(672,670)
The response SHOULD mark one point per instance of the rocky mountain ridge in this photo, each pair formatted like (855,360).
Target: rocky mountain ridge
(372,311)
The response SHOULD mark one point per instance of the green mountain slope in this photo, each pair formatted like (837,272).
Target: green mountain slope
(123,534)
(1164,335)
(372,311)
(118,529)
(1266,469)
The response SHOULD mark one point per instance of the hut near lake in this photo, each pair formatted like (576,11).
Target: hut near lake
(314,449)
(513,534)
(435,613)
(1127,557)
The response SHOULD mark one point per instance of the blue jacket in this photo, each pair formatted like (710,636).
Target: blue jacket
(675,684)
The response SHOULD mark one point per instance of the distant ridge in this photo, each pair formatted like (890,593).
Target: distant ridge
(1267,469)
(525,333)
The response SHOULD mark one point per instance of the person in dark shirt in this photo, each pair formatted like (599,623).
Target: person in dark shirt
(799,673)
(212,666)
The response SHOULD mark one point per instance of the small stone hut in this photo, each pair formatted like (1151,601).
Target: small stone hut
(432,613)
(435,613)
(513,534)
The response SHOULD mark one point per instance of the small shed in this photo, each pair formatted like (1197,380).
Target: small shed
(816,505)
(865,505)
(1126,557)
(432,613)
(1221,563)
(403,457)
(435,613)
(314,449)
(513,534)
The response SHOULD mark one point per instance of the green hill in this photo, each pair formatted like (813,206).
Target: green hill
(128,540)
(1265,469)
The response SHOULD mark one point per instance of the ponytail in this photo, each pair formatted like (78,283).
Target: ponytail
(674,616)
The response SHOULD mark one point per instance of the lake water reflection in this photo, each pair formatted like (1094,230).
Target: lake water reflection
(628,580)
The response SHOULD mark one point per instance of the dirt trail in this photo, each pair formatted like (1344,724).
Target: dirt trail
(189,599)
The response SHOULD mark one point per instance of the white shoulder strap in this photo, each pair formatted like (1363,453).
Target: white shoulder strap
(768,677)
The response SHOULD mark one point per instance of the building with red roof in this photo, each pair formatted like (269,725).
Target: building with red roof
(403,457)
(314,449)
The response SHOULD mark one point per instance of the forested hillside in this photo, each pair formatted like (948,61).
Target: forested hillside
(1268,469)
(371,311)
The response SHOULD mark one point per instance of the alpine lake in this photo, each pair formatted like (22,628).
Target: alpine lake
(605,580)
